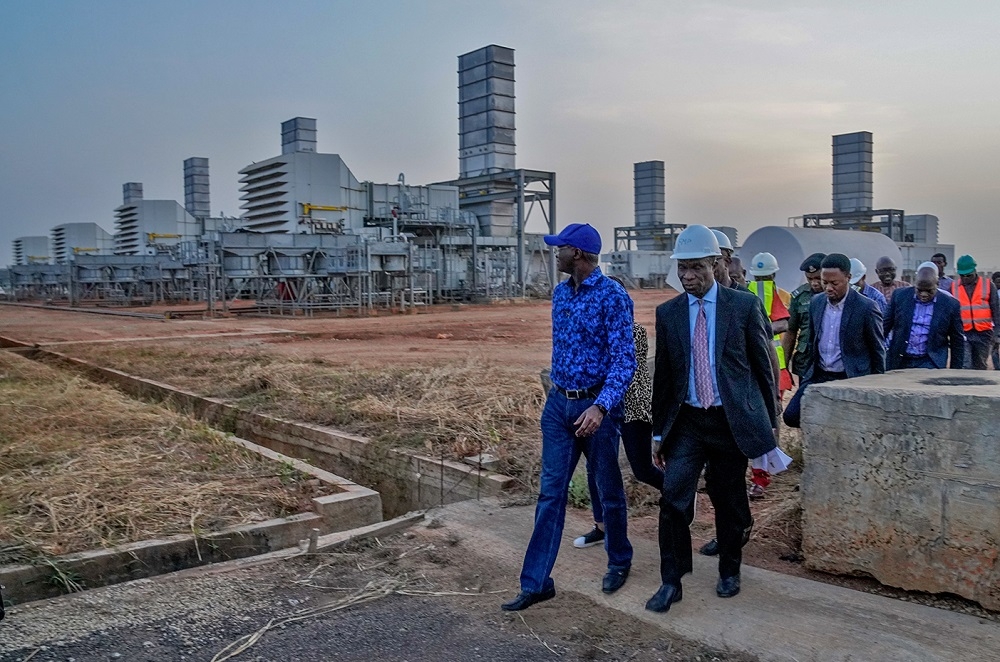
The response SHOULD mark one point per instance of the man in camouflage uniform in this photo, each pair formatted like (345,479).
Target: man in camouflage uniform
(797,337)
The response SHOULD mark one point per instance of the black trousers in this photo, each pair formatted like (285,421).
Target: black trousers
(699,436)
(793,412)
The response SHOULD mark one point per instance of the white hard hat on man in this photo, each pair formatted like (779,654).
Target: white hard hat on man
(694,242)
(763,264)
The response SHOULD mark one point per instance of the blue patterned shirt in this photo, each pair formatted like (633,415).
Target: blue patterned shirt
(875,296)
(920,328)
(592,341)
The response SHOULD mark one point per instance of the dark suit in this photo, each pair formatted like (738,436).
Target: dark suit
(945,330)
(862,346)
(693,436)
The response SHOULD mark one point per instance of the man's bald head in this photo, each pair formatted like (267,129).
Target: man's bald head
(885,269)
(927,283)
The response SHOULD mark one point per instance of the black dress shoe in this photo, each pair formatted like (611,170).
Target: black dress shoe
(711,548)
(666,596)
(525,599)
(614,580)
(728,586)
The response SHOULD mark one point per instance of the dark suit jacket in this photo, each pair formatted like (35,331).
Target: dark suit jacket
(742,365)
(945,331)
(861,341)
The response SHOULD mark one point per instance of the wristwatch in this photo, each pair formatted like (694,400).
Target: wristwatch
(604,410)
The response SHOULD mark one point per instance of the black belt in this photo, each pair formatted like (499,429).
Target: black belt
(709,410)
(579,393)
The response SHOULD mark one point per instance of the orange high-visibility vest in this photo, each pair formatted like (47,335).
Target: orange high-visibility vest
(976,313)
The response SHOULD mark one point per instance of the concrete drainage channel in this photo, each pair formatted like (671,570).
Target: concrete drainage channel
(388,484)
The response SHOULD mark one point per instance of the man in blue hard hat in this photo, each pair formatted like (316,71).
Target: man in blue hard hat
(593,361)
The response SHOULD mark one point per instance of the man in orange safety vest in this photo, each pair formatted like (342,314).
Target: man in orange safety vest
(980,310)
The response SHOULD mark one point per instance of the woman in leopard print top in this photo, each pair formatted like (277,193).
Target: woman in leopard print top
(636,436)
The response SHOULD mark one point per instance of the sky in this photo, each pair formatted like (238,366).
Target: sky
(739,99)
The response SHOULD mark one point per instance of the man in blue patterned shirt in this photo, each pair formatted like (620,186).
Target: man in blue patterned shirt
(593,360)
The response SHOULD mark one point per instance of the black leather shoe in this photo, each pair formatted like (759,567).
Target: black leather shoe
(614,580)
(711,548)
(525,599)
(666,596)
(728,586)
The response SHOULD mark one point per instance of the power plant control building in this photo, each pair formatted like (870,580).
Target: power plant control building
(71,239)
(31,250)
(145,227)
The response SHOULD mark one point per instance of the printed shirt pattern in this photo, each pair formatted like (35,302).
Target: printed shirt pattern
(592,339)
(639,396)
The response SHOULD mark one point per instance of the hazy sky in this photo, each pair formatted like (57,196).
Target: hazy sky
(739,99)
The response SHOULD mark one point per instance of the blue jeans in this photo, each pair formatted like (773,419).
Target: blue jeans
(637,438)
(561,451)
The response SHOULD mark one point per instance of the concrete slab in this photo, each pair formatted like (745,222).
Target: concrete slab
(901,480)
(776,617)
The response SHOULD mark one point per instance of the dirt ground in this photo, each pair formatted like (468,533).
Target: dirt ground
(424,595)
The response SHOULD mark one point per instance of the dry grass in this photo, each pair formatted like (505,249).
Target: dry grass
(451,409)
(82,466)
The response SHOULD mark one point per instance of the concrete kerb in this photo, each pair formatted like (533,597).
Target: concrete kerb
(407,480)
(350,507)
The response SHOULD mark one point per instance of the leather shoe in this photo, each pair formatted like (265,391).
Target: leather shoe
(525,599)
(614,580)
(728,586)
(666,596)
(711,548)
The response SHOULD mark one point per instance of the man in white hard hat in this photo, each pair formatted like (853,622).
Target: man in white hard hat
(859,282)
(712,376)
(763,267)
(722,266)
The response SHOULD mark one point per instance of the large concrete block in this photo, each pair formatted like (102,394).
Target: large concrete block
(901,480)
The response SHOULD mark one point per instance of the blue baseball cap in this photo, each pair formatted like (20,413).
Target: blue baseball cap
(577,235)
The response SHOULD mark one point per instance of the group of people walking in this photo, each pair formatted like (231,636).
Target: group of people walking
(725,351)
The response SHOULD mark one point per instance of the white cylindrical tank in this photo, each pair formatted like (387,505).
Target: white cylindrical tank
(792,245)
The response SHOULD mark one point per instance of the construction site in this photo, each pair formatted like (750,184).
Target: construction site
(311,431)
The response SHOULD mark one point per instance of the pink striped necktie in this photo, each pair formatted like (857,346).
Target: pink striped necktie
(702,366)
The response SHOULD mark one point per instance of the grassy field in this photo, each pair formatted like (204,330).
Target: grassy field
(449,409)
(82,466)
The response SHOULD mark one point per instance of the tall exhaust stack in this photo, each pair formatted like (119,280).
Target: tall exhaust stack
(650,199)
(131,192)
(486,111)
(852,172)
(298,135)
(196,194)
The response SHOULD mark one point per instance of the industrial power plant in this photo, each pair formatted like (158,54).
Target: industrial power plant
(313,237)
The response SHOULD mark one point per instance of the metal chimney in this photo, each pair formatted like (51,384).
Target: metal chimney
(298,135)
(650,199)
(196,191)
(486,111)
(852,172)
(131,192)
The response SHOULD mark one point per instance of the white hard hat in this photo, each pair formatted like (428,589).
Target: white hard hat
(723,239)
(858,270)
(763,264)
(694,242)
